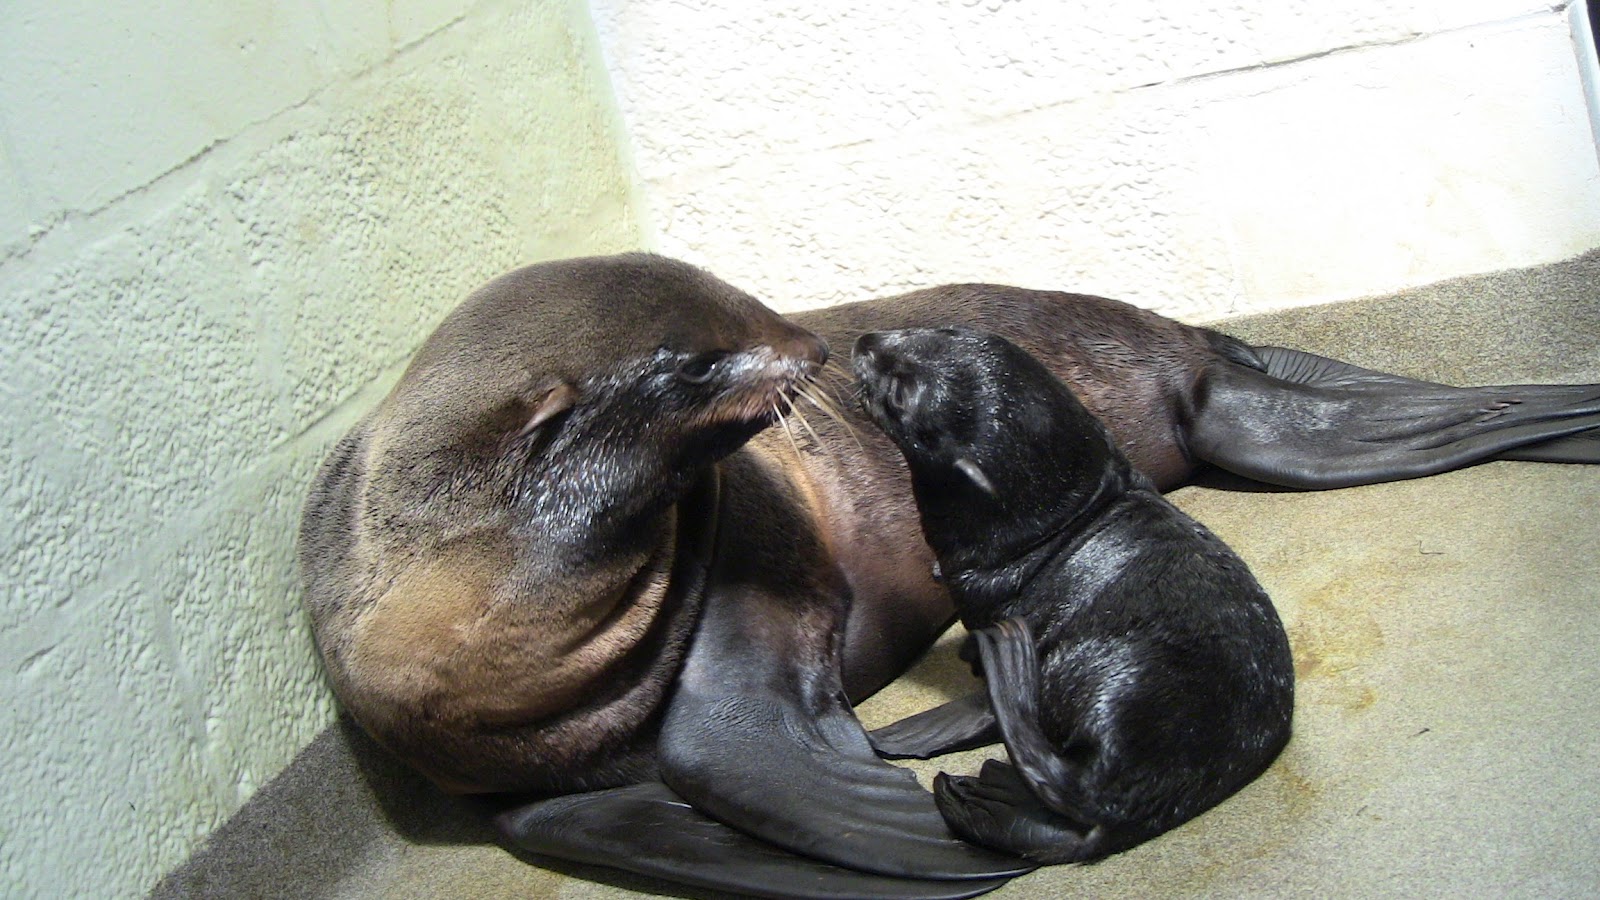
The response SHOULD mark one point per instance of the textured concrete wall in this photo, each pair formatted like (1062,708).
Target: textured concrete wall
(221,232)
(1200,158)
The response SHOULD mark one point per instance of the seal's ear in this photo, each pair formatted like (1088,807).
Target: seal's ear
(553,402)
(970,469)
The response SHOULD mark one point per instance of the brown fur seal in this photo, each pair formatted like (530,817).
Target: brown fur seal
(507,561)
(1135,668)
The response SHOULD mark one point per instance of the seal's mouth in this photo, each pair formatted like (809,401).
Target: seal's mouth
(764,381)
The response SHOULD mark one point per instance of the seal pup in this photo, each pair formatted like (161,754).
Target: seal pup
(1136,670)
(508,561)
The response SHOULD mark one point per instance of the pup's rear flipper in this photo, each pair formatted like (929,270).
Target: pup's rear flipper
(1312,422)
(1035,806)
(995,808)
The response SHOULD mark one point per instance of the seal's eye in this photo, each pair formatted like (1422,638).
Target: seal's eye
(699,369)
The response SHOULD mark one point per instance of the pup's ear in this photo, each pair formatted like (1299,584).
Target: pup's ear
(970,469)
(553,402)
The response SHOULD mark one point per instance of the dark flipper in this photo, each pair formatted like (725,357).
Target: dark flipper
(647,829)
(759,735)
(997,810)
(1583,447)
(957,725)
(1313,422)
(1036,805)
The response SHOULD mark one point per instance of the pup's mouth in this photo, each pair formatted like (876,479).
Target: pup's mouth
(887,397)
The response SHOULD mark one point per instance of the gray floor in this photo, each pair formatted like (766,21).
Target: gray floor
(1444,631)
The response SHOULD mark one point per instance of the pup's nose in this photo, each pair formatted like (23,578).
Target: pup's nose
(867,343)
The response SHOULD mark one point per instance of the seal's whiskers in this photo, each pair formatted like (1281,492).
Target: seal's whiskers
(787,431)
(806,424)
(817,394)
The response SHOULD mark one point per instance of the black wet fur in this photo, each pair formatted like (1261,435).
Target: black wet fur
(791,765)
(1138,671)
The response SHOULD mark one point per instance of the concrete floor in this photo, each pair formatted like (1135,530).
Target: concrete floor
(1444,630)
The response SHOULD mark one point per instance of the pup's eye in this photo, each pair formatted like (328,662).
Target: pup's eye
(699,369)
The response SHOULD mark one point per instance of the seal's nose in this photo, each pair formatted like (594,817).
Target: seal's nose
(802,345)
(822,350)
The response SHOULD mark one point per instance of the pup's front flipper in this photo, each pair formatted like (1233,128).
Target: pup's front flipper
(647,829)
(958,725)
(1312,422)
(759,735)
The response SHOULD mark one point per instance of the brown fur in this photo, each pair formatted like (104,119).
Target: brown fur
(490,557)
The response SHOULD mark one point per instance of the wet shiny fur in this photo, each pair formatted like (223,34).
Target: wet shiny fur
(1136,670)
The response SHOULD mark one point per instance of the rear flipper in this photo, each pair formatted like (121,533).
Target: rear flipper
(1583,447)
(649,830)
(1312,422)
(1037,806)
(998,810)
(958,725)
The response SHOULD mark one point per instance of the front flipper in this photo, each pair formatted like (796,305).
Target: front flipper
(1313,422)
(958,725)
(649,830)
(760,735)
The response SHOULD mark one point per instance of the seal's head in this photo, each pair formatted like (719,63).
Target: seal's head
(584,392)
(501,560)
(1000,451)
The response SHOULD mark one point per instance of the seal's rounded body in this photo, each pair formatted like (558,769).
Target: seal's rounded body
(1136,670)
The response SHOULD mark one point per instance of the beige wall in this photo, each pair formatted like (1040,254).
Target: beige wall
(222,229)
(1200,158)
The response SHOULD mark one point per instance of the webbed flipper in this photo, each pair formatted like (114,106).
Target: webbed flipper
(647,829)
(1312,422)
(958,725)
(1583,448)
(760,735)
(1036,804)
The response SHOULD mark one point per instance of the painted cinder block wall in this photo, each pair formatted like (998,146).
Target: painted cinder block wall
(223,228)
(1201,159)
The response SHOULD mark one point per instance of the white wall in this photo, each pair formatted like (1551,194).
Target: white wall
(1201,159)
(222,229)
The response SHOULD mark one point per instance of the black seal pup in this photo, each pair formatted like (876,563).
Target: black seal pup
(1136,670)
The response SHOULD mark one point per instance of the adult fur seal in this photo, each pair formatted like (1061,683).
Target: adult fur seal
(554,558)
(508,561)
(1135,668)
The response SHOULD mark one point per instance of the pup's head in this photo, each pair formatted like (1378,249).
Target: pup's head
(1000,450)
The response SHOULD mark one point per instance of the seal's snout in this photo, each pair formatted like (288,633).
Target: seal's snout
(806,347)
(821,350)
